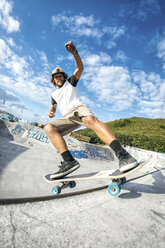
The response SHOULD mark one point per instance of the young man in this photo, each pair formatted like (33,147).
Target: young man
(76,114)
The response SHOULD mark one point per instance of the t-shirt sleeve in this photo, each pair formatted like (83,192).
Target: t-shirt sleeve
(73,81)
(53,101)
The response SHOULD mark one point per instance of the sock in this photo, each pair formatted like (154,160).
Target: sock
(116,147)
(67,156)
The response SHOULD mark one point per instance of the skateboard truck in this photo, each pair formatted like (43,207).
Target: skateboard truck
(57,189)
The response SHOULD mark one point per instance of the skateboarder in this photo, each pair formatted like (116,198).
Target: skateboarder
(76,114)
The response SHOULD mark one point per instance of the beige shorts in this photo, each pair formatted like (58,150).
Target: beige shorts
(72,120)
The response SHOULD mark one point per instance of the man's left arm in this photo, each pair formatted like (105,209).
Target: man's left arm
(79,64)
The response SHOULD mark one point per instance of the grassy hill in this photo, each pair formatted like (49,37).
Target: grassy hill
(143,133)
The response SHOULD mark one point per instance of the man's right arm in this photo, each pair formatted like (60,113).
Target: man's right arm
(51,112)
(79,64)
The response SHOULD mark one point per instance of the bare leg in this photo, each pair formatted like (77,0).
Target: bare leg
(56,138)
(102,131)
(126,161)
(69,164)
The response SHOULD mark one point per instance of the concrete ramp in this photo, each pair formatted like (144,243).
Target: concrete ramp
(26,155)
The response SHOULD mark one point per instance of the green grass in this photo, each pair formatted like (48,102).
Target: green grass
(143,133)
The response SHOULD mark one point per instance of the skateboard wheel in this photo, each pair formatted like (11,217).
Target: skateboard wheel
(56,190)
(123,180)
(114,189)
(72,184)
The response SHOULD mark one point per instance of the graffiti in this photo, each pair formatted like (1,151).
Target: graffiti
(99,153)
(18,129)
(34,123)
(89,150)
(71,144)
(78,149)
(38,135)
(78,154)
(37,124)
(9,118)
(94,153)
(80,137)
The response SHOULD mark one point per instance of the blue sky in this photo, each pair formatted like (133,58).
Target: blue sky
(121,43)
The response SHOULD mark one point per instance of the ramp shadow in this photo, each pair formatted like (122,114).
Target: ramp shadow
(8,151)
(157,187)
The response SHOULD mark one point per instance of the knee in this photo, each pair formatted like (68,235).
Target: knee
(49,128)
(90,121)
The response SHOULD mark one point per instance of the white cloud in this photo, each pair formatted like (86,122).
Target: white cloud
(8,96)
(89,27)
(11,42)
(6,20)
(150,104)
(110,44)
(15,64)
(162,90)
(44,61)
(152,97)
(81,25)
(43,56)
(111,84)
(97,59)
(119,90)
(149,84)
(81,20)
(161,51)
(78,21)
(153,112)
(36,88)
(87,101)
(121,56)
(116,32)
(21,78)
(150,6)
(140,9)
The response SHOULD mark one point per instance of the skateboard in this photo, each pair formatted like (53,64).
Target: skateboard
(115,176)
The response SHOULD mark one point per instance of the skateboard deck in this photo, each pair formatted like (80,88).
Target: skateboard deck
(116,176)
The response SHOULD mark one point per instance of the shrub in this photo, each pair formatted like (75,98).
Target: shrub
(162,126)
(122,123)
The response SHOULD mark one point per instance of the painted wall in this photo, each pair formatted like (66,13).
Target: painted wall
(78,149)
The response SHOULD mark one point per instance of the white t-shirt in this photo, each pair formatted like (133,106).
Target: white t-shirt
(66,97)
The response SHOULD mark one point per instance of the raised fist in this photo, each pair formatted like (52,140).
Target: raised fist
(70,47)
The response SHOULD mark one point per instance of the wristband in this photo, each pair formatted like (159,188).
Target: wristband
(76,52)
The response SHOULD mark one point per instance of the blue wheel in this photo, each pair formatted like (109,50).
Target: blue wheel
(56,190)
(72,184)
(114,189)
(123,180)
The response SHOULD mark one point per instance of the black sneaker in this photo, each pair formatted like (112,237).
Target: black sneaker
(65,168)
(126,161)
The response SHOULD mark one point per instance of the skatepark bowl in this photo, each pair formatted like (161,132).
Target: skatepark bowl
(84,216)
(26,155)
